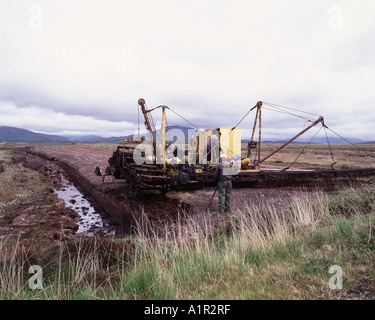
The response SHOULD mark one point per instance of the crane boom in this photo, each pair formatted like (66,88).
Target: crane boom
(145,112)
(320,120)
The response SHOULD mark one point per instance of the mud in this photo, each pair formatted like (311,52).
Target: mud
(39,220)
(78,164)
(124,210)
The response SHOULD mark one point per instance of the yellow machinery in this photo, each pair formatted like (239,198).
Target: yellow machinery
(193,166)
(230,141)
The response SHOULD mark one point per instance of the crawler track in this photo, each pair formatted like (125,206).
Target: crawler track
(271,178)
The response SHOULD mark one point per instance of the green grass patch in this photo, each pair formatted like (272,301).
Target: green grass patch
(200,264)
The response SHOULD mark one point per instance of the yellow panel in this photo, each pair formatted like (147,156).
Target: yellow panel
(237,141)
(230,141)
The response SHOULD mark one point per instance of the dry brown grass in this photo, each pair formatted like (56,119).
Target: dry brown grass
(258,254)
(16,182)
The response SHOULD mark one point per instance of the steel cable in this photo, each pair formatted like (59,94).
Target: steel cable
(289,113)
(301,111)
(370,155)
(311,140)
(183,118)
(329,145)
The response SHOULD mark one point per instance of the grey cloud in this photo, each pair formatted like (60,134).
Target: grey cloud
(209,61)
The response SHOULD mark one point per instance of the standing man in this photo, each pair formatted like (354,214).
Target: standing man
(213,147)
(223,177)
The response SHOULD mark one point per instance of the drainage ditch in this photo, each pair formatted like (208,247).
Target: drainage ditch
(104,208)
(93,218)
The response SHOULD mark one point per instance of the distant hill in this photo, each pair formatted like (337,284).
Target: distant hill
(333,140)
(182,137)
(13,134)
(318,140)
(96,139)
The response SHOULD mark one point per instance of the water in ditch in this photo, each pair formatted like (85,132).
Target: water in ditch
(93,219)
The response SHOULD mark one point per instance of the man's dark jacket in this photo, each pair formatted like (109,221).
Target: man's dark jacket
(220,173)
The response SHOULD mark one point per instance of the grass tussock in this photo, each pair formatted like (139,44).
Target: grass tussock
(257,253)
(16,183)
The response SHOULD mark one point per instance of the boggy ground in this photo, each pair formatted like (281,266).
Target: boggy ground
(79,163)
(43,215)
(83,160)
(29,209)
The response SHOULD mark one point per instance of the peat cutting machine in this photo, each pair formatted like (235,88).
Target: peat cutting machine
(176,161)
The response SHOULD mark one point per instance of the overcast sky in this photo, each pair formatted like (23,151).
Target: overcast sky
(79,67)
